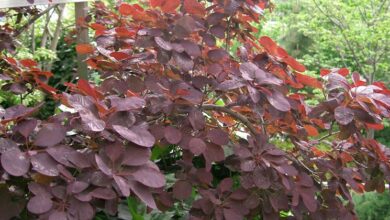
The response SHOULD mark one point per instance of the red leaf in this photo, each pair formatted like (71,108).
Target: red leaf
(346,157)
(84,48)
(156,3)
(294,64)
(87,89)
(343,71)
(28,63)
(324,72)
(282,53)
(10,60)
(124,32)
(182,92)
(46,87)
(167,6)
(317,152)
(311,130)
(269,45)
(308,81)
(120,56)
(194,7)
(376,127)
(125,9)
(98,27)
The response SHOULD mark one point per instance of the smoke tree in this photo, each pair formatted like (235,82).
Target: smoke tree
(170,82)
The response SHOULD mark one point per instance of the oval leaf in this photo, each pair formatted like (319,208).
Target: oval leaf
(149,177)
(136,134)
(15,162)
(39,204)
(279,101)
(50,135)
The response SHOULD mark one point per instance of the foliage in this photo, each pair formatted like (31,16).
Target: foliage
(371,205)
(173,101)
(324,33)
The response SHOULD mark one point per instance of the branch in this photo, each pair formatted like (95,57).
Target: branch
(236,115)
(328,135)
(349,45)
(32,20)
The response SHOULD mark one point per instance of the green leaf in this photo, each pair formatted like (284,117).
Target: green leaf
(132,203)
(220,102)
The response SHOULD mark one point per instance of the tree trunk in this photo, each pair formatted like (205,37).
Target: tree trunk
(81,9)
(57,33)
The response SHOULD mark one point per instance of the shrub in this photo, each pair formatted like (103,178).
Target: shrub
(173,100)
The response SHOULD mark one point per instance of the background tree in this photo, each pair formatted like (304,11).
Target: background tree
(178,120)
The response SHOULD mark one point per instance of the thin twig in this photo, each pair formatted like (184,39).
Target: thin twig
(328,135)
(236,115)
(32,20)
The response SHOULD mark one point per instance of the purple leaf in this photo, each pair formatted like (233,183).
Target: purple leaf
(26,127)
(103,193)
(81,210)
(182,190)
(230,214)
(218,31)
(172,135)
(136,134)
(18,111)
(163,43)
(248,165)
(114,151)
(308,197)
(39,189)
(39,204)
(279,101)
(80,102)
(136,156)
(218,136)
(214,69)
(58,215)
(261,179)
(44,164)
(123,185)
(183,61)
(103,166)
(215,18)
(79,160)
(217,55)
(253,93)
(78,186)
(149,177)
(197,146)
(213,153)
(127,104)
(190,93)
(50,135)
(123,118)
(15,162)
(7,144)
(196,119)
(343,115)
(248,70)
(143,193)
(191,48)
(230,85)
(91,121)
(61,154)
